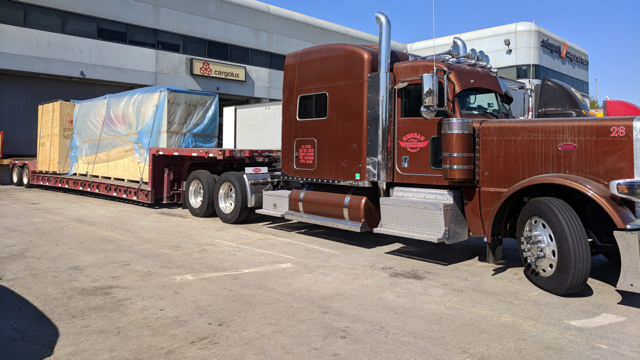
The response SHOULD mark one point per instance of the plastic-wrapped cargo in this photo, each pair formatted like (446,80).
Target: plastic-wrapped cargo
(112,134)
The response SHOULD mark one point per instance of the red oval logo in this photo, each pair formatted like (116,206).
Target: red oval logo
(256,170)
(567,147)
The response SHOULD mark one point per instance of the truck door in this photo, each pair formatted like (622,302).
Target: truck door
(416,139)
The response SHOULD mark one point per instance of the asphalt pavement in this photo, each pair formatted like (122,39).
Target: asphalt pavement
(88,277)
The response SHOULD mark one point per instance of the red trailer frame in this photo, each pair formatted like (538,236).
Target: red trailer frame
(169,169)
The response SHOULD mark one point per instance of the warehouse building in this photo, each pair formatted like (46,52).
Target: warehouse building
(81,49)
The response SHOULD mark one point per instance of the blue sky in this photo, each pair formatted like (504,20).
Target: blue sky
(608,30)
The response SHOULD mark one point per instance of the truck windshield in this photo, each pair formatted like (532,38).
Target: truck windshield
(483,102)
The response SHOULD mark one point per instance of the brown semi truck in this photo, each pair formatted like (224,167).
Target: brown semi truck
(424,148)
(378,140)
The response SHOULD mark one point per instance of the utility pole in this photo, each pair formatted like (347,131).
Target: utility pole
(596,90)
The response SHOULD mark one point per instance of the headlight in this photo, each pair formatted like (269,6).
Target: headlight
(629,189)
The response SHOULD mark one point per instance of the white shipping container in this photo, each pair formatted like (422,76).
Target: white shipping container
(255,126)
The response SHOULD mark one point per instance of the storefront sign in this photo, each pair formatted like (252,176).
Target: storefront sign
(563,52)
(218,70)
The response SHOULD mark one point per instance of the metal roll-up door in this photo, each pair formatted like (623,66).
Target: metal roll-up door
(19,101)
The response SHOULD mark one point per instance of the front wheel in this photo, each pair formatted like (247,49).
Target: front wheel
(553,246)
(231,198)
(16,175)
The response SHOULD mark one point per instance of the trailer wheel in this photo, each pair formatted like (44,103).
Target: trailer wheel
(199,193)
(231,198)
(26,177)
(16,175)
(553,246)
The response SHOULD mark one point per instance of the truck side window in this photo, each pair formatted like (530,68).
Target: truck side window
(436,152)
(411,96)
(313,106)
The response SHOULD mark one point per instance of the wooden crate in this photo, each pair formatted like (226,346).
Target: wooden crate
(55,128)
(128,168)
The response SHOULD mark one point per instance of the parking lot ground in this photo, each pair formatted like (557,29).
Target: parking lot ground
(86,277)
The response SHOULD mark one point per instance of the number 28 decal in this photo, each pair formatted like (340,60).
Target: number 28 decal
(618,131)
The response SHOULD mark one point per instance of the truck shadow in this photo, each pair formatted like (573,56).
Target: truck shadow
(445,255)
(25,332)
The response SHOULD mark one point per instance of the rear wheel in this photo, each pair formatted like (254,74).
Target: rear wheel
(199,193)
(26,177)
(16,175)
(553,246)
(231,198)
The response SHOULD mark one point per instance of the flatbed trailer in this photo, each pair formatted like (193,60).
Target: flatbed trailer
(169,169)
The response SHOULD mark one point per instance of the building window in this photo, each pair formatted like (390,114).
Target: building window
(43,18)
(260,58)
(508,73)
(239,55)
(112,31)
(169,42)
(218,51)
(313,106)
(79,25)
(11,13)
(194,46)
(142,36)
(276,61)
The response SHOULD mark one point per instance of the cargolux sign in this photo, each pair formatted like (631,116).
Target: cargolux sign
(218,70)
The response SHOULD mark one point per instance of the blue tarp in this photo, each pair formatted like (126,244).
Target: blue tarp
(127,124)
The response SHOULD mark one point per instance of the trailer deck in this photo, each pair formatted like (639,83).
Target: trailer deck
(168,170)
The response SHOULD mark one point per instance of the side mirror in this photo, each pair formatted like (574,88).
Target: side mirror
(429,95)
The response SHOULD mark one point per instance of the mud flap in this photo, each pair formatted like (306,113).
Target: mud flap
(629,245)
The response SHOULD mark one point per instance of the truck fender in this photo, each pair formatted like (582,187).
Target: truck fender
(611,204)
(256,184)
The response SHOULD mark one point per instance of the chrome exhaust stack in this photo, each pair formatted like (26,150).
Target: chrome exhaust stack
(379,173)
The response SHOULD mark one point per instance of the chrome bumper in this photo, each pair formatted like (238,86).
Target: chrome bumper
(629,245)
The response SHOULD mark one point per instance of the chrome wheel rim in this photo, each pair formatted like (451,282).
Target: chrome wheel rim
(539,247)
(25,176)
(14,174)
(227,198)
(196,193)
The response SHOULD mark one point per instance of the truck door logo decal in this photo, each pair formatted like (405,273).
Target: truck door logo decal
(413,142)
(567,147)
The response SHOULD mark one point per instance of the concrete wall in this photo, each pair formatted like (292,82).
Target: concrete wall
(240,22)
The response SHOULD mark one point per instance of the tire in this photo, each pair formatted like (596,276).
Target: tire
(26,177)
(565,263)
(16,175)
(251,215)
(199,193)
(231,198)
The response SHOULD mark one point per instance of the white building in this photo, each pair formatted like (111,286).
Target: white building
(512,51)
(81,49)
